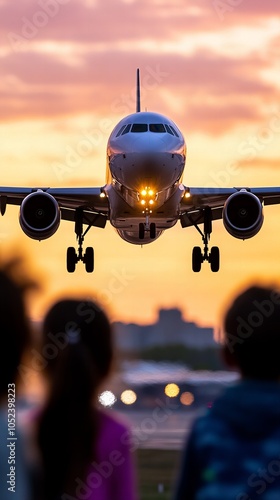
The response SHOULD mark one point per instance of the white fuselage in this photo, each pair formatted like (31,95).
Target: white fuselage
(146,156)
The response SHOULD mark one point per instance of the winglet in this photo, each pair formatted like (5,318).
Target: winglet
(138,105)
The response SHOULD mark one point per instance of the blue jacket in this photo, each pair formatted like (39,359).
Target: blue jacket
(233,452)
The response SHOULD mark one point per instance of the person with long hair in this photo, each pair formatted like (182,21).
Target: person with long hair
(85,451)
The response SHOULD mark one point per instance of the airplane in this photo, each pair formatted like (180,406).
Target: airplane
(143,195)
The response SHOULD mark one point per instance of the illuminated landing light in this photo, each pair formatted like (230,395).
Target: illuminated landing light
(128,397)
(187,398)
(147,196)
(107,398)
(171,390)
(102,195)
(187,194)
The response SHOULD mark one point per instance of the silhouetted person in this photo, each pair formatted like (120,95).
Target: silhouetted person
(85,451)
(15,476)
(233,452)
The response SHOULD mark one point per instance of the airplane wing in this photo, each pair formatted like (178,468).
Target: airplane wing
(196,199)
(95,206)
(240,208)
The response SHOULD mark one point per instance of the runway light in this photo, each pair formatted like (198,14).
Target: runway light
(128,397)
(107,398)
(187,398)
(171,390)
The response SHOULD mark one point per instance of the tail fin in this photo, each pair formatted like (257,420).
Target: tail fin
(138,105)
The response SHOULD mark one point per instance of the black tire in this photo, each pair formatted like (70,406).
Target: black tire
(152,230)
(214,259)
(89,259)
(196,259)
(71,259)
(141,231)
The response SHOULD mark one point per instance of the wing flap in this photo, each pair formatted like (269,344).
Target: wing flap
(90,218)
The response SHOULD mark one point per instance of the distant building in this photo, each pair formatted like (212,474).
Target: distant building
(169,329)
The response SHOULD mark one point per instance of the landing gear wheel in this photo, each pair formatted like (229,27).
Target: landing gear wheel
(71,259)
(214,259)
(152,230)
(89,259)
(197,259)
(141,231)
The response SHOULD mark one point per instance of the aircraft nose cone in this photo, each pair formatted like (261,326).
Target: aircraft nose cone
(158,171)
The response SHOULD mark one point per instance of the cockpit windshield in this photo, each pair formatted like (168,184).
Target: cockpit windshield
(139,127)
(157,127)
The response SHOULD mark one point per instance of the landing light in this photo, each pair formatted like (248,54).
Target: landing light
(147,195)
(102,195)
(187,194)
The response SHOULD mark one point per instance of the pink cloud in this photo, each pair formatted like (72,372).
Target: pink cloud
(116,20)
(47,87)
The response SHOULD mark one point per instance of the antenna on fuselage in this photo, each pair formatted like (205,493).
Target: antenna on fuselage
(138,105)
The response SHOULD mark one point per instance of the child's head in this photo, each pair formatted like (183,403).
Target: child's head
(252,333)
(79,326)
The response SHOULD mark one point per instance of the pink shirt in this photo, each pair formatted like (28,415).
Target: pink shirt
(111,475)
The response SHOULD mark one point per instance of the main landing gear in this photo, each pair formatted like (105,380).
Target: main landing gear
(213,257)
(72,256)
(147,226)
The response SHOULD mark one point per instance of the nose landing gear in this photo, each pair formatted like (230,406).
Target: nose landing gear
(213,257)
(147,226)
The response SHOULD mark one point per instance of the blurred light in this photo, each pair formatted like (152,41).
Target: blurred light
(187,195)
(151,192)
(187,398)
(128,397)
(102,195)
(171,390)
(151,202)
(107,398)
(143,192)
(143,202)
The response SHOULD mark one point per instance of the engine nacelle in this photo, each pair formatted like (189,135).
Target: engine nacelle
(243,215)
(39,215)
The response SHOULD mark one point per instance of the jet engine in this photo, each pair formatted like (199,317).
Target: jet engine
(243,214)
(39,215)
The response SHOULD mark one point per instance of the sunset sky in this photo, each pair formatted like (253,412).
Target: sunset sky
(67,76)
